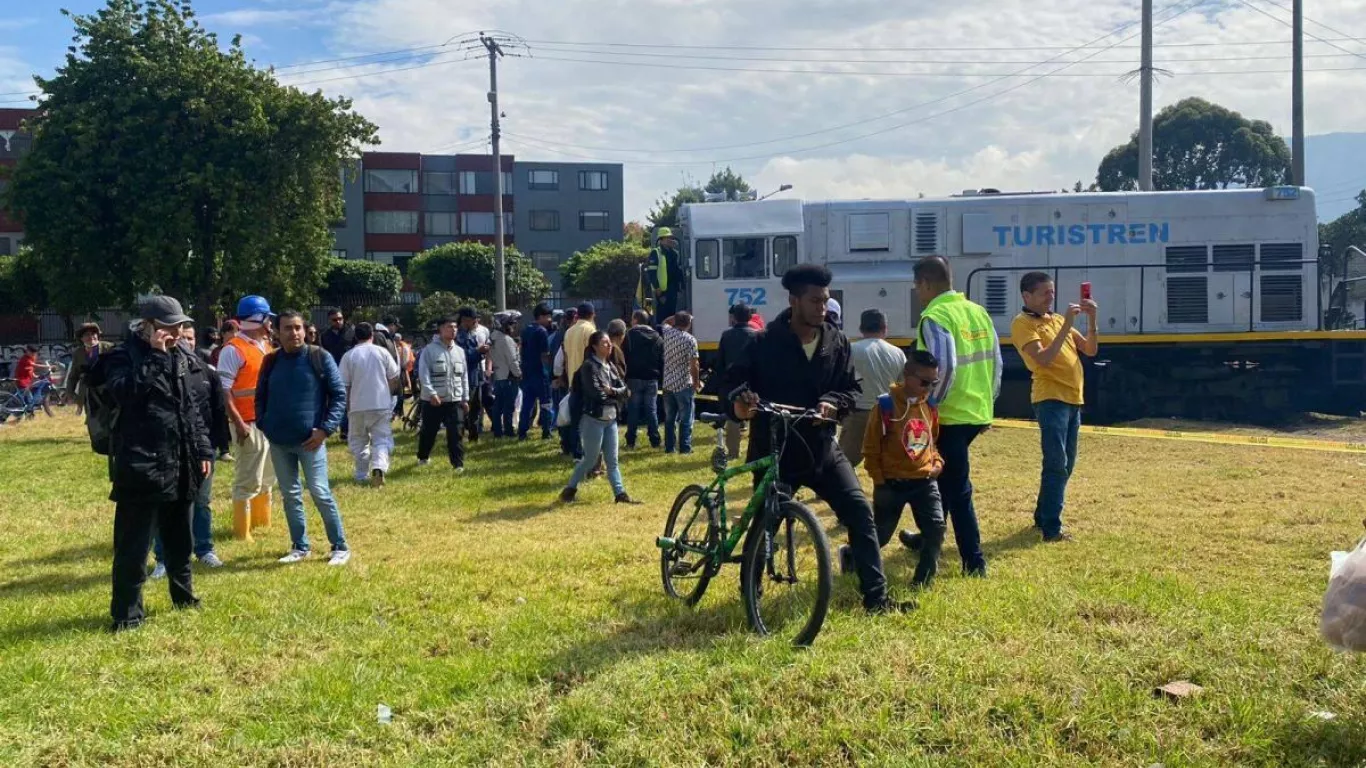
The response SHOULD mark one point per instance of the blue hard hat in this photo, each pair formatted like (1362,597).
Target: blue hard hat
(253,305)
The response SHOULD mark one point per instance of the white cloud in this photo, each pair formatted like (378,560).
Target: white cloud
(258,17)
(11,25)
(1022,135)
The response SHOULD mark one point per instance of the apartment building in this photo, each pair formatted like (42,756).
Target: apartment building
(399,204)
(13,144)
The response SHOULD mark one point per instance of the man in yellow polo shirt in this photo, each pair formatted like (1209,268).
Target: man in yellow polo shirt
(1050,347)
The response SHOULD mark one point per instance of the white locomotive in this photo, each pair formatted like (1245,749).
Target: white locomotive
(1210,301)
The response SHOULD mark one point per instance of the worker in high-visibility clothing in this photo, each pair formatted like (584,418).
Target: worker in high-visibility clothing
(239,366)
(664,274)
(961,336)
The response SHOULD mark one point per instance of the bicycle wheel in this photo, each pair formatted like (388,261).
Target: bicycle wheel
(686,574)
(785,575)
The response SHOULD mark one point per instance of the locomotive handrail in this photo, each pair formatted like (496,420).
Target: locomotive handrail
(1142,283)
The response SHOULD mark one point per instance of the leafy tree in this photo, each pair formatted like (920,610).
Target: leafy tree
(350,283)
(608,270)
(21,283)
(466,269)
(162,161)
(1347,229)
(635,232)
(439,305)
(665,212)
(1200,145)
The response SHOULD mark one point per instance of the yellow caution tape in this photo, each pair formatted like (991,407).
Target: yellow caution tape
(1298,443)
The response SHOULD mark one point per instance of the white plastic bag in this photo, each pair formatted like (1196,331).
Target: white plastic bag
(562,417)
(1343,624)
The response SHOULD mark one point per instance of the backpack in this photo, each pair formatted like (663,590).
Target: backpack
(102,411)
(315,359)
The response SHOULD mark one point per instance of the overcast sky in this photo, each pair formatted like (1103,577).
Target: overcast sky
(865,123)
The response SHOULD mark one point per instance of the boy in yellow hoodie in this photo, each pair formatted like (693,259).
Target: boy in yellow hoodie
(900,454)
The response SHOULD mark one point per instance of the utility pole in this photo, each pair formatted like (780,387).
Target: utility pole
(1145,103)
(1297,97)
(499,267)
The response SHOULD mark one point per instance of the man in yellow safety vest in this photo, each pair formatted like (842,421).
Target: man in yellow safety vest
(961,336)
(664,274)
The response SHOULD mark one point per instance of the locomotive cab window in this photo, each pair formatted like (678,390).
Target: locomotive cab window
(708,260)
(743,259)
(784,254)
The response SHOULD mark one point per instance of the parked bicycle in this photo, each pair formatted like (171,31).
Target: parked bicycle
(785,571)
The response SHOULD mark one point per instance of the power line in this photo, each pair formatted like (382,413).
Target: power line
(988,97)
(1283,22)
(1345,37)
(898,50)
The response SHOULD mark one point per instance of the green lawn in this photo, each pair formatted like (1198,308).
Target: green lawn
(504,630)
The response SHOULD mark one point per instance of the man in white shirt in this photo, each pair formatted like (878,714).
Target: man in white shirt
(878,366)
(369,373)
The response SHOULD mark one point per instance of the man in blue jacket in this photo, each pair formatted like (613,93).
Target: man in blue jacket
(306,407)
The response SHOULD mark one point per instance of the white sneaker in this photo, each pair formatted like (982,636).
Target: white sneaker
(423,462)
(340,557)
(459,470)
(159,572)
(294,556)
(211,560)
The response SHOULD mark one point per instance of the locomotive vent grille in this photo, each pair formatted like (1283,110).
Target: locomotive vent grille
(1282,298)
(998,295)
(1188,299)
(1282,257)
(926,241)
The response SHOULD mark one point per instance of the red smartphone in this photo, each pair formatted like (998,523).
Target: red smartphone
(1086,290)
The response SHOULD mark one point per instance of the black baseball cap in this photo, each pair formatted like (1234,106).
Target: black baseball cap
(163,310)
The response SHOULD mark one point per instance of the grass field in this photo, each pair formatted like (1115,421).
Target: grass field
(504,630)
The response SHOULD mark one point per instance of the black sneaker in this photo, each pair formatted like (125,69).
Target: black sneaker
(1058,538)
(625,498)
(568,494)
(890,607)
(976,571)
(847,560)
(910,540)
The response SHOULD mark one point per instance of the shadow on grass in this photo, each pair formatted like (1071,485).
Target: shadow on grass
(520,512)
(1025,538)
(1320,742)
(47,630)
(51,584)
(69,554)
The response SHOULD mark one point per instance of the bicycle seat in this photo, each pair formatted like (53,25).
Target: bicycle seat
(717,420)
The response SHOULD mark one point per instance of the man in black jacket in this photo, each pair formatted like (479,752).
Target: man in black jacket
(801,360)
(732,348)
(159,454)
(644,350)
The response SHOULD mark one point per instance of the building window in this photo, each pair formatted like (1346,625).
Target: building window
(593,221)
(544,180)
(546,261)
(389,257)
(476,224)
(441,223)
(468,182)
(392,181)
(545,221)
(743,259)
(593,181)
(338,253)
(507,182)
(391,222)
(438,183)
(6,249)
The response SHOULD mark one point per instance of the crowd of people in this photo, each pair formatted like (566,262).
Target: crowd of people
(265,391)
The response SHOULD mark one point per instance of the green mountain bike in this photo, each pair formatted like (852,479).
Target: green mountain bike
(785,572)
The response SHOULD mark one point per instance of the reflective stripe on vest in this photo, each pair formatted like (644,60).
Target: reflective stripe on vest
(243,389)
(971,398)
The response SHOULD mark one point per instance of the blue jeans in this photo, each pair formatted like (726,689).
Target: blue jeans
(678,416)
(1059,423)
(642,408)
(504,406)
(288,459)
(535,397)
(599,439)
(201,521)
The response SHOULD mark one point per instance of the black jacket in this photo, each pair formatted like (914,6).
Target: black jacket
(733,347)
(338,342)
(644,350)
(160,437)
(776,369)
(592,378)
(212,401)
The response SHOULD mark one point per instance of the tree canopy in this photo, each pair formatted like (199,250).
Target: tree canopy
(164,162)
(442,304)
(351,283)
(466,269)
(1200,145)
(609,270)
(665,212)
